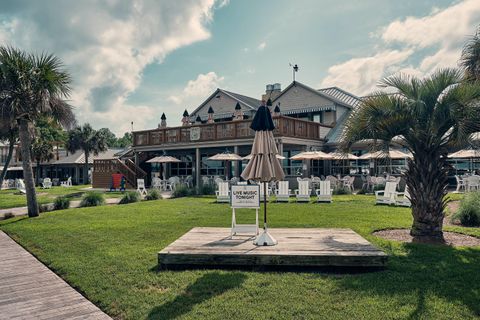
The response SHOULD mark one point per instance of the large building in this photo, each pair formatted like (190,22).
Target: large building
(305,118)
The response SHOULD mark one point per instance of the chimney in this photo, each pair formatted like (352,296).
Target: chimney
(185,119)
(238,114)
(163,123)
(210,115)
(272,91)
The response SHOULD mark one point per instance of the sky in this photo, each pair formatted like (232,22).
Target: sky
(134,60)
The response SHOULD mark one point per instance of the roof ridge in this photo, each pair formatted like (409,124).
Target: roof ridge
(342,90)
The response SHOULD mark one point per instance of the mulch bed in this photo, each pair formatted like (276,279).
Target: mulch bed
(452,238)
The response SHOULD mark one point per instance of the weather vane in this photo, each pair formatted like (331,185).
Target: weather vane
(294,70)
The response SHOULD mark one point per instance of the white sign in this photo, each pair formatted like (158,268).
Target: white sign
(245,196)
(195,133)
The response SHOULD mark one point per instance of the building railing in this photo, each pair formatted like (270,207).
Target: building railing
(218,131)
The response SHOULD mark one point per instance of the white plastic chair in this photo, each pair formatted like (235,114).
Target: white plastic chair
(348,183)
(303,192)
(46,183)
(223,192)
(473,183)
(20,185)
(386,196)
(403,198)
(333,181)
(189,181)
(67,183)
(324,192)
(157,183)
(282,193)
(141,187)
(460,183)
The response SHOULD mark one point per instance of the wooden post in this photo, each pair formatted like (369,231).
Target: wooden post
(197,167)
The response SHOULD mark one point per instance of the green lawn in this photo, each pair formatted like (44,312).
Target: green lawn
(12,198)
(110,254)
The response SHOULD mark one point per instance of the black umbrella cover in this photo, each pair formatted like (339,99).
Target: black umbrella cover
(262,121)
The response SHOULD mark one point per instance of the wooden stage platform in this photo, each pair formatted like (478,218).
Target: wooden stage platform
(297,247)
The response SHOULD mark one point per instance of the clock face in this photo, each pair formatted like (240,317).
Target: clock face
(195,133)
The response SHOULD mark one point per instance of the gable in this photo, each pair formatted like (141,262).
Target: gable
(297,98)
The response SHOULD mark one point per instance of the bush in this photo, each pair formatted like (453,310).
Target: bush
(362,191)
(92,199)
(469,212)
(61,203)
(153,194)
(206,189)
(43,208)
(182,191)
(341,190)
(130,197)
(379,187)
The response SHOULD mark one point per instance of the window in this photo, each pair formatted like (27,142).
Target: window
(183,168)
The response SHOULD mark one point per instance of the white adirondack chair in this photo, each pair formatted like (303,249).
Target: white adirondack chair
(67,183)
(223,192)
(157,183)
(21,186)
(324,192)
(303,192)
(402,198)
(141,187)
(283,192)
(386,196)
(46,183)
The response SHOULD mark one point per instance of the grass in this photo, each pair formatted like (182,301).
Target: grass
(110,254)
(12,198)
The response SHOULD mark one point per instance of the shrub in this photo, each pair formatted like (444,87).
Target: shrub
(153,194)
(379,187)
(61,203)
(43,208)
(469,212)
(182,191)
(92,199)
(130,197)
(341,190)
(206,189)
(362,191)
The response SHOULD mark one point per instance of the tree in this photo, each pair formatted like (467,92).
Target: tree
(125,141)
(110,137)
(470,59)
(88,140)
(48,134)
(432,116)
(32,86)
(8,134)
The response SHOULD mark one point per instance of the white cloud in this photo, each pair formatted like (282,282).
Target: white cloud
(106,45)
(202,86)
(262,46)
(437,39)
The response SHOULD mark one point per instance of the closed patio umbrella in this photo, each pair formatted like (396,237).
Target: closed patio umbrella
(264,165)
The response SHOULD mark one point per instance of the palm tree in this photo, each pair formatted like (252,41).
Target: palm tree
(431,115)
(88,140)
(32,86)
(9,134)
(470,59)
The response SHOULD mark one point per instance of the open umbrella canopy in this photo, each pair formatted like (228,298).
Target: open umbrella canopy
(312,155)
(343,156)
(465,154)
(279,157)
(392,154)
(226,156)
(163,159)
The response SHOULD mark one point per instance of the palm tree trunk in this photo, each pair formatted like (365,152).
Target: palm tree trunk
(426,178)
(85,168)
(25,142)
(11,147)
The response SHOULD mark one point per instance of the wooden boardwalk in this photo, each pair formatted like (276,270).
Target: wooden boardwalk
(29,290)
(306,247)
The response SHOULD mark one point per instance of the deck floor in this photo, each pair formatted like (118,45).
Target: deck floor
(297,247)
(29,290)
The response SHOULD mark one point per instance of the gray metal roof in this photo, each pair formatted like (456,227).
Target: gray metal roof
(335,134)
(79,157)
(255,103)
(342,95)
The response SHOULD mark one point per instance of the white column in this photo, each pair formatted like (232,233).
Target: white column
(197,167)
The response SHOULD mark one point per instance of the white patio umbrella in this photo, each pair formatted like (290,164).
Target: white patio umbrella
(264,165)
(392,154)
(226,156)
(279,157)
(311,155)
(343,156)
(163,159)
(465,154)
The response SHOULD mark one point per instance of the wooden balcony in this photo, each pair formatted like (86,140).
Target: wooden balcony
(220,131)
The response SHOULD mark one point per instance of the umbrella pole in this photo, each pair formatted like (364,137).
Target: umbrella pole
(265,206)
(265,239)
